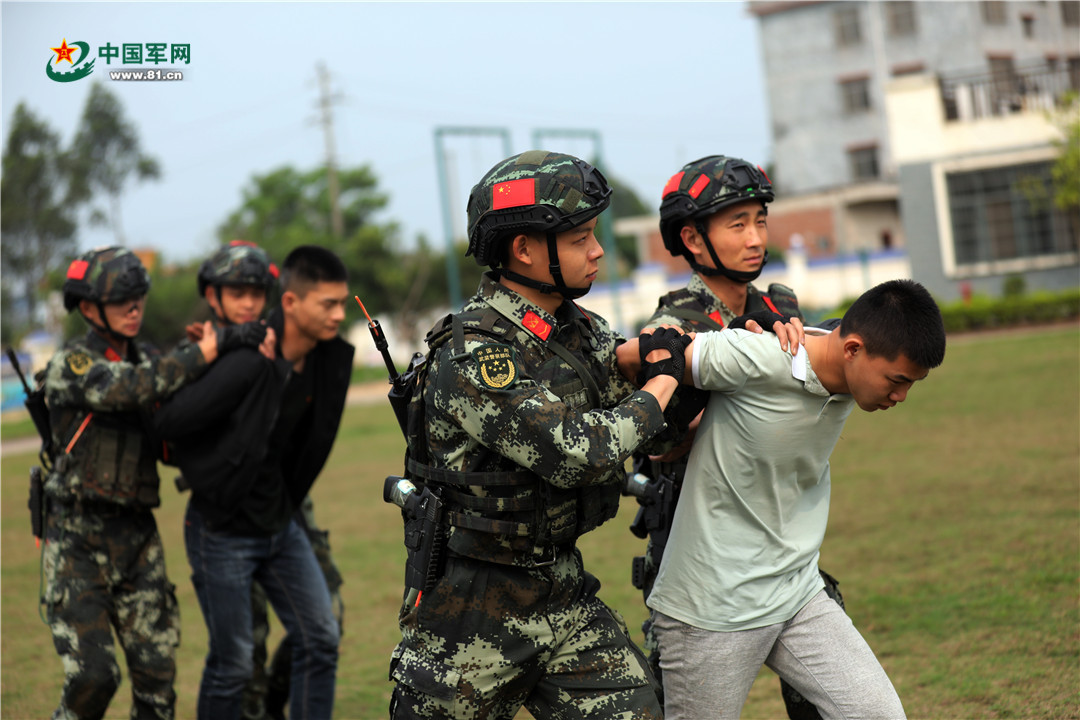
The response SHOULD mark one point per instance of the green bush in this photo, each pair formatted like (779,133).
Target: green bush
(983,312)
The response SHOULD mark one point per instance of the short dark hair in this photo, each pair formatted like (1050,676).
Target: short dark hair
(310,264)
(895,317)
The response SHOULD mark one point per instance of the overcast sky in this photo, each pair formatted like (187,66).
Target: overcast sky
(663,83)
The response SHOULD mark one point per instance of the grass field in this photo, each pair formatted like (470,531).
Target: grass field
(955,533)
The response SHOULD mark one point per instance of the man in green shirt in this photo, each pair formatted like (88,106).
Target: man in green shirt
(739,584)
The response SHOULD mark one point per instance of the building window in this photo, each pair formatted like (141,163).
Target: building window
(993,12)
(900,18)
(1028,22)
(863,162)
(1006,214)
(855,94)
(1074,72)
(1070,13)
(1003,82)
(911,68)
(846,26)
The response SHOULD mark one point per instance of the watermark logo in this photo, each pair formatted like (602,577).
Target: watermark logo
(79,69)
(151,53)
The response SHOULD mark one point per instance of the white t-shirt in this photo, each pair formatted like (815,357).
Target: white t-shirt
(744,545)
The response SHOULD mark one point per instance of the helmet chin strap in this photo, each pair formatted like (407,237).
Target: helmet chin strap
(560,287)
(720,270)
(104,329)
(221,317)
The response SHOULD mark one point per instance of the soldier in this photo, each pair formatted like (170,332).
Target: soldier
(522,424)
(712,213)
(236,282)
(104,561)
(251,437)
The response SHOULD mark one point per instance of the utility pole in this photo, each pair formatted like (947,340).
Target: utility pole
(326,100)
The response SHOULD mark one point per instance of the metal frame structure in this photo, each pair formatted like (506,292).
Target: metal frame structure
(453,281)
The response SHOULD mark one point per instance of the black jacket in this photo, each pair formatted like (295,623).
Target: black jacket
(221,425)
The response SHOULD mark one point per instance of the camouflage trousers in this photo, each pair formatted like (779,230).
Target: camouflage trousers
(105,570)
(267,693)
(798,707)
(488,639)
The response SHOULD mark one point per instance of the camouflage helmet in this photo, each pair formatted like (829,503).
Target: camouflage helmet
(535,191)
(238,263)
(704,187)
(105,275)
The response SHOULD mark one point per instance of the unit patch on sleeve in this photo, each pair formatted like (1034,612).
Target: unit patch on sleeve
(497,367)
(79,363)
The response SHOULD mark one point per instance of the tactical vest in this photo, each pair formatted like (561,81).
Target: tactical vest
(503,512)
(684,305)
(105,457)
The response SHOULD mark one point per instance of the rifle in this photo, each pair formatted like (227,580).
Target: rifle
(39,413)
(422,510)
(657,495)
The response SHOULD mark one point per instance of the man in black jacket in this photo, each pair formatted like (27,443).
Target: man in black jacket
(251,439)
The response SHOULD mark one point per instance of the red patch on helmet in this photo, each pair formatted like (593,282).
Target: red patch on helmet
(762,170)
(537,325)
(77,269)
(513,193)
(673,184)
(274,271)
(698,186)
(234,243)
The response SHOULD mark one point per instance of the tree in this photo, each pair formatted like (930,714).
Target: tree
(1066,169)
(105,154)
(37,226)
(172,303)
(287,208)
(625,203)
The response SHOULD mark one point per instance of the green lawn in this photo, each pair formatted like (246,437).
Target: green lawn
(955,533)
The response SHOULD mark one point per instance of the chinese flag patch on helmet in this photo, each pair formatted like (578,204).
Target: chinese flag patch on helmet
(673,184)
(513,193)
(77,269)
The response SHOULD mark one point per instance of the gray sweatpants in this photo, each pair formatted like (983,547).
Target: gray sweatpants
(708,674)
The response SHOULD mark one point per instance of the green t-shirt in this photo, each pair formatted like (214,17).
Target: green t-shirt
(751,517)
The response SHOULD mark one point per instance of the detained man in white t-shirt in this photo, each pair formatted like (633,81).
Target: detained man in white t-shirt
(739,585)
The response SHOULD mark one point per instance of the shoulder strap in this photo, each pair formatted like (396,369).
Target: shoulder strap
(694,313)
(695,316)
(586,377)
(783,300)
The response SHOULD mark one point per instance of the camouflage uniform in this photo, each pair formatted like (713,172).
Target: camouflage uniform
(104,560)
(527,452)
(268,691)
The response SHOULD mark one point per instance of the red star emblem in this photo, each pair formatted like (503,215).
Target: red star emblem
(64,52)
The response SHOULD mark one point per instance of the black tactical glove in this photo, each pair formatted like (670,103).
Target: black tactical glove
(765,318)
(231,337)
(668,339)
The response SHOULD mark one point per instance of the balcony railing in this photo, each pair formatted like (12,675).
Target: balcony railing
(970,96)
